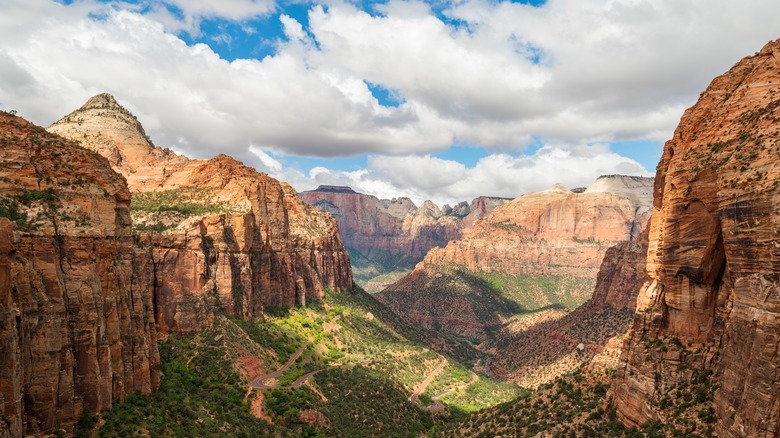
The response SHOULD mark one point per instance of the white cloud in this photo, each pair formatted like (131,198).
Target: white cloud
(186,15)
(569,72)
(606,70)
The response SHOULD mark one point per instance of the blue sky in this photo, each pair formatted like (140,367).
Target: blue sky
(443,100)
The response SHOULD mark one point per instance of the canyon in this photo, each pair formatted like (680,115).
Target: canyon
(539,250)
(392,235)
(89,280)
(635,305)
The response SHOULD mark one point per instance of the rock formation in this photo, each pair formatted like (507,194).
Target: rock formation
(396,225)
(77,328)
(555,231)
(541,352)
(222,236)
(552,233)
(710,308)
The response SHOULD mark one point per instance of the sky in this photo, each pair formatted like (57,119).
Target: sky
(442,99)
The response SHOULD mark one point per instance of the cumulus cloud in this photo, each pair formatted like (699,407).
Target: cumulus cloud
(187,15)
(492,73)
(571,70)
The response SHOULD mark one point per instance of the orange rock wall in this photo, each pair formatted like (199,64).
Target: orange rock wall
(76,321)
(714,257)
(551,232)
(270,250)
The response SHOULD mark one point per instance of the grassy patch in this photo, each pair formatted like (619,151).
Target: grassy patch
(188,201)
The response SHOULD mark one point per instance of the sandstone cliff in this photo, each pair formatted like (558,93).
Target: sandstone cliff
(386,235)
(396,226)
(709,312)
(555,231)
(77,328)
(222,236)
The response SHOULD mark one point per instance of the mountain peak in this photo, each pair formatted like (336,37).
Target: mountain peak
(106,127)
(101,100)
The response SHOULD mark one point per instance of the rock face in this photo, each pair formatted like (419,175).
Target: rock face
(386,238)
(622,274)
(714,259)
(396,226)
(555,231)
(77,327)
(222,236)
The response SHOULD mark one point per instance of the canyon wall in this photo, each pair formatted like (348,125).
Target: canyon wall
(538,353)
(396,226)
(555,231)
(76,319)
(221,235)
(710,307)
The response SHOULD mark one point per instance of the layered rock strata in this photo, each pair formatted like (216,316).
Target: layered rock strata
(555,231)
(396,226)
(711,305)
(543,351)
(221,235)
(77,324)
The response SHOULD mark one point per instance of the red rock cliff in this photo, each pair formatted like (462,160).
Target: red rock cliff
(555,231)
(396,226)
(77,326)
(714,259)
(225,236)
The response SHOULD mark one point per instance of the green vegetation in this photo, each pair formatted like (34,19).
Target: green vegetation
(534,292)
(587,241)
(201,394)
(482,394)
(15,207)
(378,266)
(188,201)
(366,372)
(9,209)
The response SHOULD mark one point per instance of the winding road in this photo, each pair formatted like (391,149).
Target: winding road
(259,382)
(437,406)
(421,387)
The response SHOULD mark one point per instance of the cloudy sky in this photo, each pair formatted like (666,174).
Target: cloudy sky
(442,100)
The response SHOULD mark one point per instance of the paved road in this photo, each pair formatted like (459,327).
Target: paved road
(421,387)
(437,406)
(259,382)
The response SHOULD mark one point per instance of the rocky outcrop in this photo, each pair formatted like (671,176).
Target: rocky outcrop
(76,318)
(710,309)
(553,232)
(622,274)
(396,226)
(221,235)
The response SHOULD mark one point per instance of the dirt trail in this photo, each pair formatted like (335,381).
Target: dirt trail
(421,387)
(437,406)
